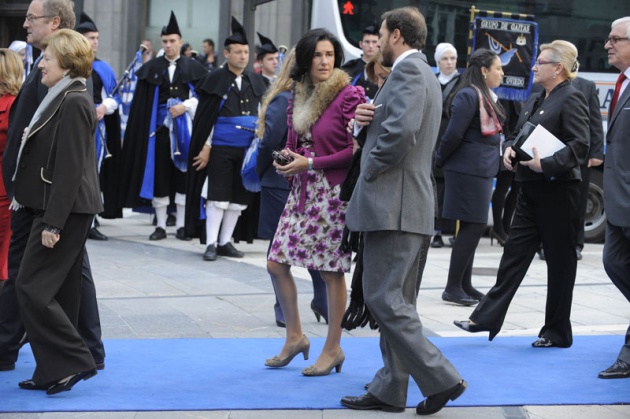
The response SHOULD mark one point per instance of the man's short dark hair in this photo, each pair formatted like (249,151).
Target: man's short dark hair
(411,24)
(209,42)
(305,51)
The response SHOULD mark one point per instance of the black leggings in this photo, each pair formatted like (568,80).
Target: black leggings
(462,257)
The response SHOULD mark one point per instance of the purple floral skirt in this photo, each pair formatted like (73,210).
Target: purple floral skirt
(309,237)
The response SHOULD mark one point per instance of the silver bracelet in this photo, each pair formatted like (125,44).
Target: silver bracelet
(310,163)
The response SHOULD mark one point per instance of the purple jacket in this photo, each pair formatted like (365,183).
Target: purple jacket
(331,142)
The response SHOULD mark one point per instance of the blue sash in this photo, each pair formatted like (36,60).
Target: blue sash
(226,132)
(148,181)
(180,135)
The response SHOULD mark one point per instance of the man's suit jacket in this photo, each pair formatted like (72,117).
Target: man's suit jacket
(28,99)
(394,191)
(617,164)
(57,168)
(589,90)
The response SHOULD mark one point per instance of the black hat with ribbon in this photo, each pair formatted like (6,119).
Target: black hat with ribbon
(172,28)
(238,34)
(266,46)
(86,24)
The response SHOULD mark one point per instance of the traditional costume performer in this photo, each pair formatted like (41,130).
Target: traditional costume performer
(227,104)
(266,47)
(356,68)
(107,136)
(155,150)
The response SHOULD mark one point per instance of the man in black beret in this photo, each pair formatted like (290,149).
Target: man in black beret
(267,58)
(224,123)
(356,68)
(155,150)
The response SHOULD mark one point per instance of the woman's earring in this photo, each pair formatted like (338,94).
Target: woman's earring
(554,75)
(484,77)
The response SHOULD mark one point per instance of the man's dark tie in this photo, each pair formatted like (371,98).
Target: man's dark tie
(620,81)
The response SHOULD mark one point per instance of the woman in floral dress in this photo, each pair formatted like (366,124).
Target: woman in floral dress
(311,226)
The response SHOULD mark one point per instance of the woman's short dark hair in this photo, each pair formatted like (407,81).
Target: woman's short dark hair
(305,50)
(411,24)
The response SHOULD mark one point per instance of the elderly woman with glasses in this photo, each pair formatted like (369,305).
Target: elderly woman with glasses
(57,183)
(547,211)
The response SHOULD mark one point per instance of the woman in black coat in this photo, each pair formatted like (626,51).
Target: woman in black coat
(56,181)
(547,209)
(469,156)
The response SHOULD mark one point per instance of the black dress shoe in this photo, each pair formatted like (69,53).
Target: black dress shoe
(229,250)
(368,402)
(463,301)
(94,234)
(474,328)
(30,385)
(619,369)
(171,220)
(100,366)
(67,385)
(181,234)
(158,234)
(543,343)
(435,403)
(211,253)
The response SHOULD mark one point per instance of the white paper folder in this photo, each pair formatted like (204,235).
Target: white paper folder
(545,142)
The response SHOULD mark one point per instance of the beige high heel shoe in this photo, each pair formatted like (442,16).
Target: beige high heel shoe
(337,363)
(302,347)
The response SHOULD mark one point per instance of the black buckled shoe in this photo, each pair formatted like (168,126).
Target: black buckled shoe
(619,369)
(229,250)
(211,253)
(435,403)
(158,234)
(94,234)
(181,234)
(368,401)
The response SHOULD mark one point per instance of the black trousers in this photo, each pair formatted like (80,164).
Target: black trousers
(11,325)
(546,212)
(49,292)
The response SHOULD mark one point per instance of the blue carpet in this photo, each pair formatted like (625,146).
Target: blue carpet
(228,374)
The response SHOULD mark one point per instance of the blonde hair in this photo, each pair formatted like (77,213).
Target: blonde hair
(72,50)
(565,53)
(373,64)
(11,71)
(283,83)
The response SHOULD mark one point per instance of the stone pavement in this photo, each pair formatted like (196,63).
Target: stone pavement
(164,289)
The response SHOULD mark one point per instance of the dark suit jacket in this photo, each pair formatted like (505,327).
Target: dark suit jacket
(589,90)
(57,167)
(617,163)
(565,114)
(30,96)
(464,149)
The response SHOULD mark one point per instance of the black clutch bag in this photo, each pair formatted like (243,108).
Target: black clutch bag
(522,136)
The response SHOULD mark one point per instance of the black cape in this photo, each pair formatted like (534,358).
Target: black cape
(210,92)
(134,151)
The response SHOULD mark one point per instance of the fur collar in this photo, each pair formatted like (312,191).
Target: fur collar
(310,102)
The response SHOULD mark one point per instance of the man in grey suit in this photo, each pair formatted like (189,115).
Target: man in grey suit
(392,205)
(616,174)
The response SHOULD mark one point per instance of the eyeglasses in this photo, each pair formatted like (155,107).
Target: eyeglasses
(33,18)
(614,39)
(539,63)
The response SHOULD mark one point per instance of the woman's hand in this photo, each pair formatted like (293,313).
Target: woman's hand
(508,155)
(201,160)
(49,239)
(534,164)
(298,165)
(350,127)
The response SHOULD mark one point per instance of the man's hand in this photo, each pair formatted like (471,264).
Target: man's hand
(364,114)
(201,160)
(594,162)
(177,110)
